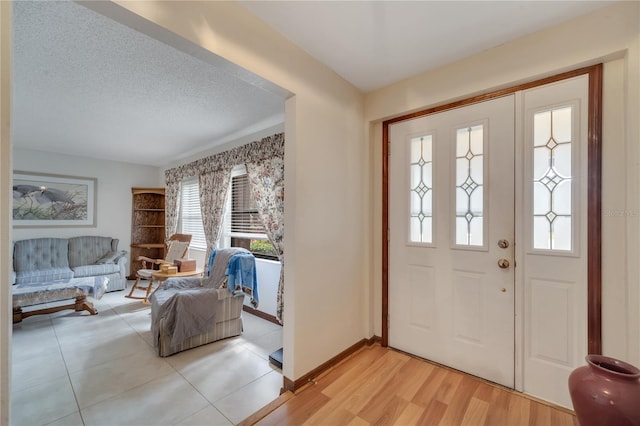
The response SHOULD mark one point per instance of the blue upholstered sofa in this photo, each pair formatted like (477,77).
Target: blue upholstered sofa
(40,260)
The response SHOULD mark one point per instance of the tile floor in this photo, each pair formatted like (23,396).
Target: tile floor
(74,369)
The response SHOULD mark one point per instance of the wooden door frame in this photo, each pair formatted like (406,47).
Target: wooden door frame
(594,191)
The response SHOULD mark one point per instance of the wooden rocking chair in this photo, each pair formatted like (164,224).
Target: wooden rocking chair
(176,248)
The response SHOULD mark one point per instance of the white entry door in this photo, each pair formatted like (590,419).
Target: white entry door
(451,219)
(460,197)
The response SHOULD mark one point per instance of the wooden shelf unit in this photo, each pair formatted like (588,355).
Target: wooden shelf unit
(147,226)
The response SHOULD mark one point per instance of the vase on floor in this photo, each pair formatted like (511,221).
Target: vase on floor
(606,391)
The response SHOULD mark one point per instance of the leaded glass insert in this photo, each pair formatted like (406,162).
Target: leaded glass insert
(421,189)
(552,180)
(470,186)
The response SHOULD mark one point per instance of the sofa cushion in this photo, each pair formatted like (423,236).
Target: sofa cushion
(39,254)
(87,250)
(43,275)
(95,270)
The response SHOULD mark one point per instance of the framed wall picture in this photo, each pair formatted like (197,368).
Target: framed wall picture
(46,200)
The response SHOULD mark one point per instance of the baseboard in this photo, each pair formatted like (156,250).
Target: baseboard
(293,386)
(261,314)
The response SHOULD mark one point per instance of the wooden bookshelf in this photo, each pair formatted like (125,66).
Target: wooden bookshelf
(147,226)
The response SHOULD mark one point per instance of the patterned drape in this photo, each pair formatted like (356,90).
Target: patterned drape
(267,188)
(171,202)
(213,191)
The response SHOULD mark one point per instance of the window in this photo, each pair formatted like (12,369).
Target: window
(243,226)
(190,214)
(421,189)
(470,186)
(552,179)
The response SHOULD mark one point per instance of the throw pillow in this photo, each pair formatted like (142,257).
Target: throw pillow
(176,250)
(110,257)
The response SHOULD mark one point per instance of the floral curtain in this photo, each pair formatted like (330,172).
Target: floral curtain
(171,202)
(213,191)
(267,158)
(267,188)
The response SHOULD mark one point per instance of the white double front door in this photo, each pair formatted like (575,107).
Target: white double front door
(464,185)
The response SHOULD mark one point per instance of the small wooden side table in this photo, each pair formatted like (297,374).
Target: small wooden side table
(161,276)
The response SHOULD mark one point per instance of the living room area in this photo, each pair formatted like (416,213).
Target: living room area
(139,112)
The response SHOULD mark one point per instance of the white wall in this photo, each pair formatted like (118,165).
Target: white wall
(114,183)
(326,175)
(268,276)
(5,200)
(610,35)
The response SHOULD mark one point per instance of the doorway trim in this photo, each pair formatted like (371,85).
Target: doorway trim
(594,190)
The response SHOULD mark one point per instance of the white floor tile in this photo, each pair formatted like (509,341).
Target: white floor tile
(86,355)
(210,416)
(71,420)
(112,378)
(217,376)
(36,368)
(118,378)
(164,401)
(42,404)
(265,345)
(250,398)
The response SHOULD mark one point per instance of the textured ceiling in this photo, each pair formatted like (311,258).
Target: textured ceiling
(375,43)
(86,85)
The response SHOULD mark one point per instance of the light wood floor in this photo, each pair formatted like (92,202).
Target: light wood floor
(380,386)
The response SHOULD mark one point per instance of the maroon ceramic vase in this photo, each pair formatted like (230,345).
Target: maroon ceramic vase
(606,391)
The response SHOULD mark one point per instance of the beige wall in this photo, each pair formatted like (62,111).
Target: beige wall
(5,200)
(113,192)
(610,35)
(326,178)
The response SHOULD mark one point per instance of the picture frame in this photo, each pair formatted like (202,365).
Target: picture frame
(42,200)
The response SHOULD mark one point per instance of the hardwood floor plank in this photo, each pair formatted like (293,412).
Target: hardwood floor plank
(405,384)
(476,413)
(449,387)
(428,390)
(561,418)
(539,414)
(359,370)
(380,386)
(339,416)
(349,369)
(391,411)
(411,378)
(307,403)
(458,399)
(499,407)
(518,410)
(358,421)
(355,395)
(484,392)
(433,413)
(411,414)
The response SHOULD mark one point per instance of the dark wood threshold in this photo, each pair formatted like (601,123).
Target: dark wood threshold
(264,411)
(297,385)
(261,314)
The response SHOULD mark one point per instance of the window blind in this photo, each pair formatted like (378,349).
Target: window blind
(190,214)
(244,213)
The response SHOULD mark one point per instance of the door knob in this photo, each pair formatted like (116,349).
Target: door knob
(503,263)
(503,243)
